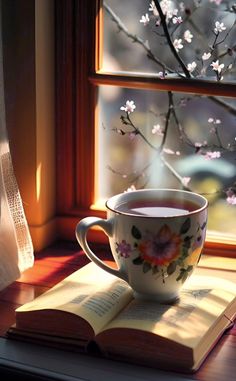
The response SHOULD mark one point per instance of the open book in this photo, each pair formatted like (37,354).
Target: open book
(93,309)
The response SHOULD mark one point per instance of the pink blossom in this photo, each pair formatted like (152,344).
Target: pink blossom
(132,135)
(162,74)
(231,200)
(217,2)
(217,66)
(231,196)
(212,155)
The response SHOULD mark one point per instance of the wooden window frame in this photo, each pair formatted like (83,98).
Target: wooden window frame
(78,75)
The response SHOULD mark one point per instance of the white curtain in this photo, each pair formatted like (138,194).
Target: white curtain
(16,249)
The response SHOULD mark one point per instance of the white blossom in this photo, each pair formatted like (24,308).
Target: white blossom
(145,19)
(168,9)
(219,27)
(177,20)
(157,130)
(199,144)
(212,155)
(169,151)
(217,66)
(185,180)
(214,121)
(206,56)
(188,36)
(178,44)
(162,74)
(191,66)
(130,189)
(153,9)
(129,107)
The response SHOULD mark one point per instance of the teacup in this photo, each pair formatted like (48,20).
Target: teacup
(156,237)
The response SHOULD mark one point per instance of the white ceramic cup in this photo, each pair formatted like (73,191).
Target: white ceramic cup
(154,254)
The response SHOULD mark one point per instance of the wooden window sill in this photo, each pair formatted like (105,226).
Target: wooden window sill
(51,266)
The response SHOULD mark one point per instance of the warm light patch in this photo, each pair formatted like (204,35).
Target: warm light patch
(99,205)
(38,181)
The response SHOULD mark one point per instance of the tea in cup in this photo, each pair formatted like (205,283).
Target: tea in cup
(156,237)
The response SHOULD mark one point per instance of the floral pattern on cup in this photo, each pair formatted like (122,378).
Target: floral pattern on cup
(164,251)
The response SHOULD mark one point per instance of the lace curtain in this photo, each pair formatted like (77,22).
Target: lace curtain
(16,249)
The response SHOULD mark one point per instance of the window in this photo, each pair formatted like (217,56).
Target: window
(95,78)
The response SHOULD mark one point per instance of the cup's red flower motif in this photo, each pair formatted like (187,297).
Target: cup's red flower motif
(160,248)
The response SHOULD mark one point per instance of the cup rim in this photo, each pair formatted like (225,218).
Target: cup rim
(126,197)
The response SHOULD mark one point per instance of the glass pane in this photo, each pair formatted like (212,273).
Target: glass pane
(169,140)
(203,34)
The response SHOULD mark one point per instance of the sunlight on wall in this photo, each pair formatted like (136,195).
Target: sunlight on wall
(38,181)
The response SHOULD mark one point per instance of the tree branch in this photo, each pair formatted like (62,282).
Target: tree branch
(170,43)
(135,38)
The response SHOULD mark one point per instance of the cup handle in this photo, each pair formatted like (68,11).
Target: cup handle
(81,234)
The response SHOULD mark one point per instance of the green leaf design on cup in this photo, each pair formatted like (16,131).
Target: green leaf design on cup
(146,267)
(136,233)
(138,261)
(186,226)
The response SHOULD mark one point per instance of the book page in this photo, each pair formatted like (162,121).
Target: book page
(90,293)
(203,301)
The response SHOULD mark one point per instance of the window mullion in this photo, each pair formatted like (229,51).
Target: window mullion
(169,84)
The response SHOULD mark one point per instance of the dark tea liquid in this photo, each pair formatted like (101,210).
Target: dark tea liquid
(157,208)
